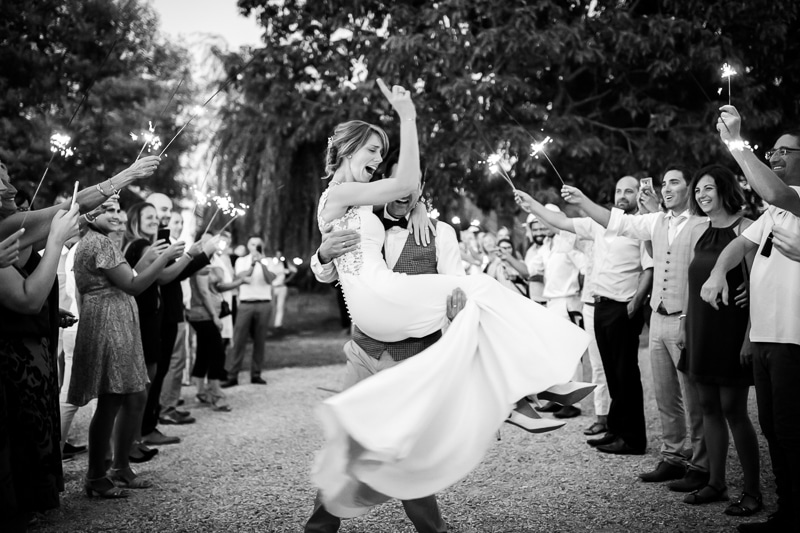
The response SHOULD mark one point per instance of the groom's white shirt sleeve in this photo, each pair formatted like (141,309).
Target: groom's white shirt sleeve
(324,273)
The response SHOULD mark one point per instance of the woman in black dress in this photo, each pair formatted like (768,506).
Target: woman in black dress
(717,348)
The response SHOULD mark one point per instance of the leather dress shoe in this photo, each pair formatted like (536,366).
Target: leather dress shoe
(567,411)
(258,380)
(230,383)
(693,480)
(665,471)
(608,438)
(620,447)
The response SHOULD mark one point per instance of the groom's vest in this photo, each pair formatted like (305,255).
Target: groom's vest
(413,260)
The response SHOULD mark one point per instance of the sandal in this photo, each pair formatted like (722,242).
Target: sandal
(716,495)
(203,400)
(103,487)
(128,479)
(738,508)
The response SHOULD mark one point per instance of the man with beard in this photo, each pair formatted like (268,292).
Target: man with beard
(774,308)
(619,282)
(538,234)
(676,393)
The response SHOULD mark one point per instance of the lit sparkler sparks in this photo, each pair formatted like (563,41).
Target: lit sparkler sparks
(728,72)
(59,143)
(500,162)
(239,211)
(538,148)
(151,141)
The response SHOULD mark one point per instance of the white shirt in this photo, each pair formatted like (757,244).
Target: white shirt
(448,255)
(618,261)
(774,282)
(643,226)
(563,264)
(258,288)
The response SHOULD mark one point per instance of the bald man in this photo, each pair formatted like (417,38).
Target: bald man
(619,282)
(163,206)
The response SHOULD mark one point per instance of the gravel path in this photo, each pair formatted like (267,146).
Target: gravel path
(247,470)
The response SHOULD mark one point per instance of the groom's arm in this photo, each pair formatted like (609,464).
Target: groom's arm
(334,244)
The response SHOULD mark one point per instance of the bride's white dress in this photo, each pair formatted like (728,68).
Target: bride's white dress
(422,425)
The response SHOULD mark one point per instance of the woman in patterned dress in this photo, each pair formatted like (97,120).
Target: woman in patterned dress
(108,362)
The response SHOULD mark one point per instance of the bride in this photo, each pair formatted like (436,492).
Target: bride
(419,427)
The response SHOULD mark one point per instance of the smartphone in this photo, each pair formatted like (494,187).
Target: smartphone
(646,183)
(163,234)
(259,249)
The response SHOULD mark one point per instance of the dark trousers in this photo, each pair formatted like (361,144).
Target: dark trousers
(776,370)
(169,332)
(618,341)
(210,359)
(252,320)
(423,513)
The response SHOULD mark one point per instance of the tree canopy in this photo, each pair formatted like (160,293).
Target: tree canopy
(53,53)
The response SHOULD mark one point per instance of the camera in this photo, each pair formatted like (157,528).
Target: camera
(646,183)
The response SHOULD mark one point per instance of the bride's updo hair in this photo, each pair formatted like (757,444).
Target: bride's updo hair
(347,138)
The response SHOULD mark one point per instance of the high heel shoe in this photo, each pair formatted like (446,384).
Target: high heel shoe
(533,425)
(567,393)
(104,488)
(127,478)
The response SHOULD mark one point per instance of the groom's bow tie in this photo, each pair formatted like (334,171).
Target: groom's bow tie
(387,223)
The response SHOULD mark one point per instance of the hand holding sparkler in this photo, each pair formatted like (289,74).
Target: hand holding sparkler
(400,99)
(572,195)
(729,124)
(64,226)
(143,167)
(524,200)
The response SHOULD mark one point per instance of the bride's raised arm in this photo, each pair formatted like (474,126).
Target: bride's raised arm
(352,173)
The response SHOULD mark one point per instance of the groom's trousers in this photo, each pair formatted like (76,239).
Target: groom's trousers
(423,512)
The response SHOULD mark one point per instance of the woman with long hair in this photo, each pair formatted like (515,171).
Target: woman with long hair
(108,363)
(446,403)
(716,342)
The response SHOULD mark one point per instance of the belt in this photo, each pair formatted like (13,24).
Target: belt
(255,301)
(663,312)
(590,304)
(603,299)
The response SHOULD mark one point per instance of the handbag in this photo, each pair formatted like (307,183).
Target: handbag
(224,309)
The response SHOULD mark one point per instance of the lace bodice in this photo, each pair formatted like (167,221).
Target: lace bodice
(351,262)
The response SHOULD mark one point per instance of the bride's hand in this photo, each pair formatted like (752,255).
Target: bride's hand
(400,100)
(420,225)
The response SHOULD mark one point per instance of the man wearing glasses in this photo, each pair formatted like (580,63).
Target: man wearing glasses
(774,307)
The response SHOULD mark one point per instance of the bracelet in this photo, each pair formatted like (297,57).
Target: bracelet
(681,317)
(738,145)
(111,184)
(187,254)
(100,190)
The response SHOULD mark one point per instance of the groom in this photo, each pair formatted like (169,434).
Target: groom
(367,356)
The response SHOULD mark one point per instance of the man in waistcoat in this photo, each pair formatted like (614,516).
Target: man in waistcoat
(367,356)
(676,395)
(618,284)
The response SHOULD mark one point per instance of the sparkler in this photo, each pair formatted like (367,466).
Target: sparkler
(495,162)
(57,140)
(537,147)
(728,72)
(237,212)
(224,204)
(199,110)
(59,144)
(150,139)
